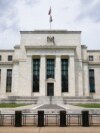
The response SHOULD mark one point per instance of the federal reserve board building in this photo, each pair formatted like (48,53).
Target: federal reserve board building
(50,63)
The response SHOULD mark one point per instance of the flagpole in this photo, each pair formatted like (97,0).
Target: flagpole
(50,15)
(50,25)
(50,19)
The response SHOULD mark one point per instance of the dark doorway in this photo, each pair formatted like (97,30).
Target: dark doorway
(50,89)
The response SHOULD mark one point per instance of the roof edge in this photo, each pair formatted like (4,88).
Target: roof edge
(93,50)
(6,50)
(50,32)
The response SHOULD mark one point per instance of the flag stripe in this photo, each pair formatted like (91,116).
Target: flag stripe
(49,13)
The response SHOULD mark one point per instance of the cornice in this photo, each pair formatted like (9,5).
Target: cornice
(6,63)
(50,32)
(94,63)
(93,51)
(85,61)
(50,47)
(6,50)
(17,46)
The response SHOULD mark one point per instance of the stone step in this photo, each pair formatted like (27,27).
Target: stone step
(78,101)
(50,99)
(22,97)
(78,97)
(51,106)
(20,100)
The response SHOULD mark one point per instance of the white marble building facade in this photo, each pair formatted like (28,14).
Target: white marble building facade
(17,72)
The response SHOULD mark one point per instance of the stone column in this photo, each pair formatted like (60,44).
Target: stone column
(15,79)
(42,76)
(71,75)
(57,88)
(30,75)
(3,81)
(86,79)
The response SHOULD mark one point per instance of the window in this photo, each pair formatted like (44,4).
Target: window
(64,75)
(91,80)
(9,57)
(50,68)
(9,80)
(36,73)
(90,58)
(0,57)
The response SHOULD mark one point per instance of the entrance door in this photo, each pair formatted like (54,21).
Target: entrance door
(50,89)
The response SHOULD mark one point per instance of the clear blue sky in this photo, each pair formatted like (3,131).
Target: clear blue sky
(16,15)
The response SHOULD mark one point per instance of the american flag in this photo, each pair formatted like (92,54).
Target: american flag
(49,13)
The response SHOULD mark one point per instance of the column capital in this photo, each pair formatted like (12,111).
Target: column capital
(58,55)
(71,56)
(42,56)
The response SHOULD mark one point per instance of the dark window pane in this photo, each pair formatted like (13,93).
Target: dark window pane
(91,80)
(36,72)
(9,57)
(9,80)
(50,68)
(64,76)
(0,57)
(90,58)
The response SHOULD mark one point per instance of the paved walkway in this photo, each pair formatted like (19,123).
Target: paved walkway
(50,130)
(68,106)
(51,106)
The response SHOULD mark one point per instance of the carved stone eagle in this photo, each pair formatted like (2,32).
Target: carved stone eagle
(50,39)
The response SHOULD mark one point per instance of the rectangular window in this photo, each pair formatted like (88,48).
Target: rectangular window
(91,80)
(64,75)
(90,58)
(0,57)
(9,80)
(50,68)
(36,74)
(9,57)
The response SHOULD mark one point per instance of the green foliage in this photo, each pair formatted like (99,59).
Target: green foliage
(10,105)
(95,105)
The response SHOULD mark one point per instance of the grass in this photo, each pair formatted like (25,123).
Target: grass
(10,105)
(89,105)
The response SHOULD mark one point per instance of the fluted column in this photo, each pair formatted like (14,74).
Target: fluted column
(71,75)
(57,89)
(15,79)
(3,81)
(42,76)
(86,79)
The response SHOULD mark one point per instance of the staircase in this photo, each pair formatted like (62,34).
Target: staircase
(50,100)
(78,100)
(43,100)
(20,100)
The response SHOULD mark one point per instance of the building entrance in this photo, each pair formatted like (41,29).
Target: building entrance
(50,89)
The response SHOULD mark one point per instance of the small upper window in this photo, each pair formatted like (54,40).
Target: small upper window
(90,58)
(0,57)
(9,57)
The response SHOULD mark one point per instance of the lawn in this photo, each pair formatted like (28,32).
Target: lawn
(10,105)
(89,105)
